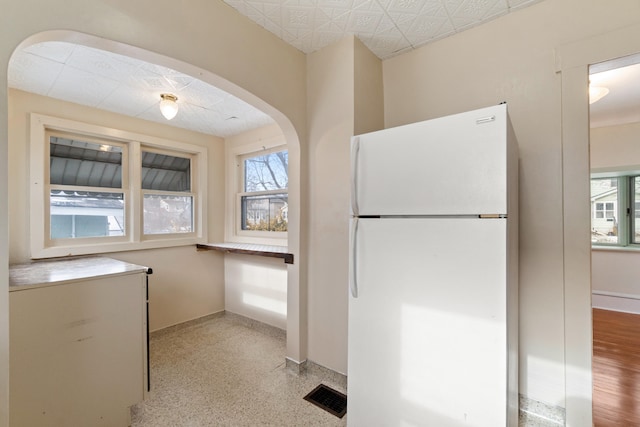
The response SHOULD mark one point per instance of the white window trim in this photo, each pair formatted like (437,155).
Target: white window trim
(192,193)
(135,240)
(621,205)
(234,190)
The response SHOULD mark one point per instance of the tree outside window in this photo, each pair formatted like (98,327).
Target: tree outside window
(264,203)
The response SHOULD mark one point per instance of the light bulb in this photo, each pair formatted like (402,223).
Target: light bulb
(168,105)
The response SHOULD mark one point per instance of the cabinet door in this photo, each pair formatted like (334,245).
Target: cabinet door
(77,352)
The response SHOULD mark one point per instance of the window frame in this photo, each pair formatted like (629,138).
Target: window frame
(124,189)
(242,193)
(191,193)
(42,245)
(623,208)
(235,152)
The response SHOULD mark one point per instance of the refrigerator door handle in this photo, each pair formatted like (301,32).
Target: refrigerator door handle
(353,258)
(355,149)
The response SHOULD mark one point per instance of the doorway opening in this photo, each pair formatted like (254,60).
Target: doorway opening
(614,90)
(181,77)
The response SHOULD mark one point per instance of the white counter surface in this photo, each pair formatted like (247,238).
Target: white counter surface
(54,272)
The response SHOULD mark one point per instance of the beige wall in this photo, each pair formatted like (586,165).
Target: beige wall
(330,90)
(186,284)
(344,98)
(513,59)
(615,147)
(368,91)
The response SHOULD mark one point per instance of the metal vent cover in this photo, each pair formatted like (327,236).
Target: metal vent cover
(328,399)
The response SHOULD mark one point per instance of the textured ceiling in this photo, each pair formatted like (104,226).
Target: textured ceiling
(386,27)
(132,87)
(126,85)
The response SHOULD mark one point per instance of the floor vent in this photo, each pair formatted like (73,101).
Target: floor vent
(328,399)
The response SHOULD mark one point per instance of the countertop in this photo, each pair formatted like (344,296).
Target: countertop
(54,272)
(250,249)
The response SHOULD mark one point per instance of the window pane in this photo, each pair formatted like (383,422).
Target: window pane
(604,215)
(165,173)
(76,214)
(636,209)
(267,172)
(76,162)
(164,214)
(265,212)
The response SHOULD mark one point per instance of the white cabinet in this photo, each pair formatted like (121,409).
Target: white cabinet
(77,345)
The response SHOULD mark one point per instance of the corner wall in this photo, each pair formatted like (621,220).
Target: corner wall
(344,86)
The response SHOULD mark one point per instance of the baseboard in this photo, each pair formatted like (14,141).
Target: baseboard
(626,303)
(265,328)
(186,324)
(334,377)
(237,318)
(535,413)
(295,367)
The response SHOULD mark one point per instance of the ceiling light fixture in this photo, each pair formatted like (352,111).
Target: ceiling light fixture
(168,105)
(596,93)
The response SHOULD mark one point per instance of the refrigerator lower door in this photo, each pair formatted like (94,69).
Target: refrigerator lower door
(427,330)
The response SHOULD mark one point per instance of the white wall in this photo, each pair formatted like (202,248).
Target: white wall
(514,59)
(616,272)
(186,284)
(256,287)
(613,271)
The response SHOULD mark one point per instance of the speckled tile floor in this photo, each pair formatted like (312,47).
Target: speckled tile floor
(227,372)
(222,372)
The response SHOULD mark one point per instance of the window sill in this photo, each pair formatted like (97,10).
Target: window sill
(250,249)
(96,248)
(616,248)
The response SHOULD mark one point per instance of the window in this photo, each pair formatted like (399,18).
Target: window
(97,189)
(615,210)
(86,195)
(635,202)
(167,196)
(264,199)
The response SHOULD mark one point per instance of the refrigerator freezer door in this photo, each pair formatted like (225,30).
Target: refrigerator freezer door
(455,165)
(427,331)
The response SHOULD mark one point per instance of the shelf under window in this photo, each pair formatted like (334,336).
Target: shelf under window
(250,249)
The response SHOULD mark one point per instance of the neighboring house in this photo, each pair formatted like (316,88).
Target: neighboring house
(604,215)
(74,215)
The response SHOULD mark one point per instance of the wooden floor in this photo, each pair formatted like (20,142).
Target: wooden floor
(616,369)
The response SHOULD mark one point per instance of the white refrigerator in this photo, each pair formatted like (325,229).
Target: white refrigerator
(433,304)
